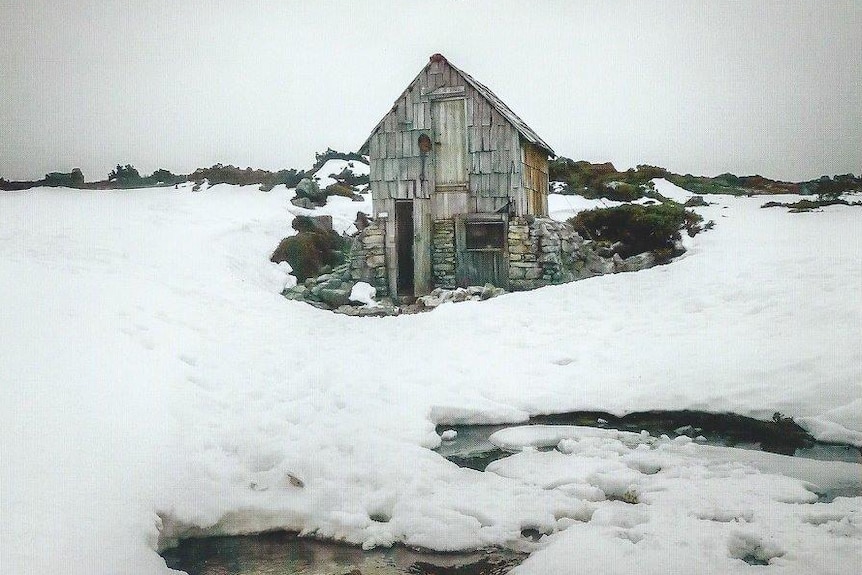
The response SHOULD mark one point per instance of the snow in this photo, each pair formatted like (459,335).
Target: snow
(330,168)
(688,507)
(363,293)
(672,192)
(449,435)
(154,381)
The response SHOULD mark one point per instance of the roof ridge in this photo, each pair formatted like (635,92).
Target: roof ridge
(520,125)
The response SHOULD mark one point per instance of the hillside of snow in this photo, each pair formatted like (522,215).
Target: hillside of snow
(155,384)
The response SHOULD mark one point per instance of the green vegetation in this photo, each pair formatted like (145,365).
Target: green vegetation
(127,176)
(603,180)
(219,174)
(73,179)
(310,249)
(653,228)
(830,189)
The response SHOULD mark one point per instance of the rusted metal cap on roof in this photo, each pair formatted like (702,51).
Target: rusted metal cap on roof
(437,58)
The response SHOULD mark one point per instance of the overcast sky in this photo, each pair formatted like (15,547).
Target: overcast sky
(703,87)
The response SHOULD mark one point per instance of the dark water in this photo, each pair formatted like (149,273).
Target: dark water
(472,449)
(282,553)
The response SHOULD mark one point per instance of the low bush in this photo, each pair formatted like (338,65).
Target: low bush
(310,249)
(603,180)
(652,228)
(339,189)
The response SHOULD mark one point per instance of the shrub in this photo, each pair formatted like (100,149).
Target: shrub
(640,228)
(338,189)
(603,180)
(68,180)
(348,178)
(77,177)
(310,250)
(163,176)
(127,173)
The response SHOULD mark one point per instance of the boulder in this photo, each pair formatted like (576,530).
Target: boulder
(362,221)
(490,290)
(638,262)
(429,301)
(308,188)
(604,250)
(303,203)
(334,297)
(460,295)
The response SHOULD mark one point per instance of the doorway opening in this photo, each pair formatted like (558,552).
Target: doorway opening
(404,246)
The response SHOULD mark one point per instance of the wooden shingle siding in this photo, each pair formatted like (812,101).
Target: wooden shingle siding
(536,179)
(483,160)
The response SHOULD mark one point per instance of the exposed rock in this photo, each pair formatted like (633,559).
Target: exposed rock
(303,203)
(308,188)
(334,297)
(363,311)
(490,290)
(695,202)
(637,262)
(361,222)
(604,251)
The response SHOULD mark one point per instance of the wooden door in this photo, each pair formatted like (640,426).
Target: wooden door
(480,253)
(450,150)
(421,247)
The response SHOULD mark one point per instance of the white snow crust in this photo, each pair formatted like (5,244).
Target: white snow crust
(155,384)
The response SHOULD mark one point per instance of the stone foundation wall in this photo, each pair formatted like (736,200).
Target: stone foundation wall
(443,254)
(525,270)
(544,252)
(541,252)
(368,258)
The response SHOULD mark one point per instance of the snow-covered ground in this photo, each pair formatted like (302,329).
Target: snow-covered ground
(152,377)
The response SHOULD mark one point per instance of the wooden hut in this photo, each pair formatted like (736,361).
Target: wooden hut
(451,164)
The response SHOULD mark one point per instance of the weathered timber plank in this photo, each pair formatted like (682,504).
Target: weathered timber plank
(449,204)
(486,138)
(435,81)
(398,144)
(486,114)
(388,172)
(408,107)
(402,168)
(474,135)
(407,143)
(373,146)
(485,162)
(390,146)
(399,113)
(418,116)
(422,246)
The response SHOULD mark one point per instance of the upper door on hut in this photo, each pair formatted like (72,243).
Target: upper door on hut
(450,150)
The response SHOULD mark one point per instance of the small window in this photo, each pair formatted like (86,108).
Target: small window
(485,235)
(424,144)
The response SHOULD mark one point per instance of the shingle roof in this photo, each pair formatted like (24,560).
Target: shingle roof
(526,131)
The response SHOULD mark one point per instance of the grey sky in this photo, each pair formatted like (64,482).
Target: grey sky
(704,87)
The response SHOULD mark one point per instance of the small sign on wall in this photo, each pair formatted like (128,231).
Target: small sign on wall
(382,214)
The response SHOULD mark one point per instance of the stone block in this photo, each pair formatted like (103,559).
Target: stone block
(334,297)
(551,258)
